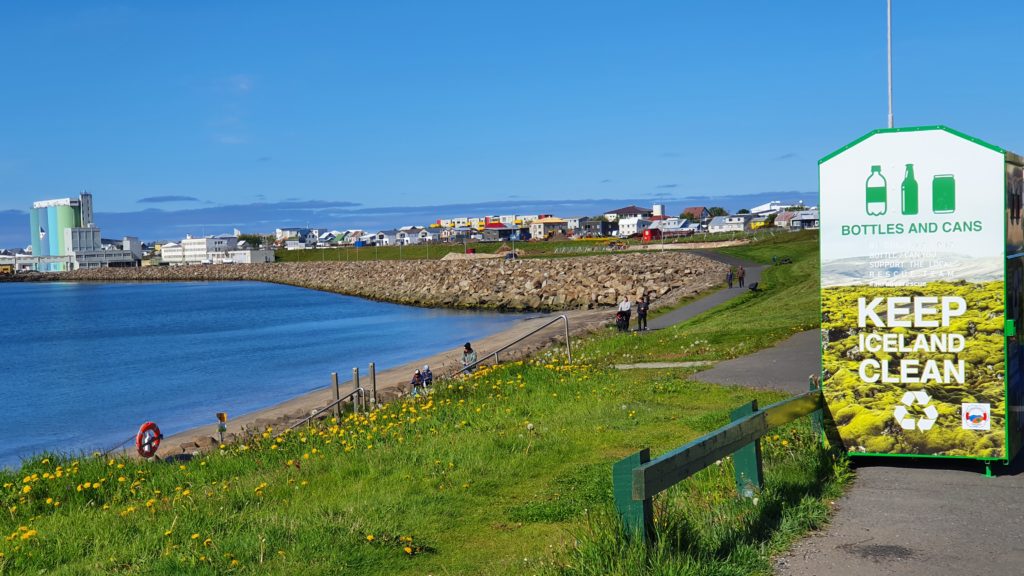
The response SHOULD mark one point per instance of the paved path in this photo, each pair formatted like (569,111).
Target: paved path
(704,304)
(900,516)
(784,366)
(918,518)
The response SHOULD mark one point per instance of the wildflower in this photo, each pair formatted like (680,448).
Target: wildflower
(26,489)
(785,442)
(168,532)
(208,541)
(29,534)
(408,550)
(369,538)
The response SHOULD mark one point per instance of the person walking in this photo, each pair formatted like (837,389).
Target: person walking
(740,275)
(641,312)
(728,278)
(625,308)
(468,358)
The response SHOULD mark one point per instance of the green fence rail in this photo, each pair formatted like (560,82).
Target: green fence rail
(637,478)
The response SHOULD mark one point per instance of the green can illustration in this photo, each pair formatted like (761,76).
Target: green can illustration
(877,193)
(943,194)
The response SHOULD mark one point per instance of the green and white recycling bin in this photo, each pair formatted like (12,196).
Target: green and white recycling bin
(921,270)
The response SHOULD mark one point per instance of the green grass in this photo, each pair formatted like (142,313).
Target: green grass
(787,303)
(538,249)
(504,473)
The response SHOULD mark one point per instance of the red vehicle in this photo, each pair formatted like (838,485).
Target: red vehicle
(651,234)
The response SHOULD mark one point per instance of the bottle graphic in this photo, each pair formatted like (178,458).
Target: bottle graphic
(943,194)
(877,193)
(908,192)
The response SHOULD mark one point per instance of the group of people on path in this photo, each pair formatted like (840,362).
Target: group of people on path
(423,380)
(626,310)
(737,275)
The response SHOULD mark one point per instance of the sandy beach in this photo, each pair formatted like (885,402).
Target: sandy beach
(393,381)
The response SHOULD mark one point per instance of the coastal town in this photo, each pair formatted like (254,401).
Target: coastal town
(64,235)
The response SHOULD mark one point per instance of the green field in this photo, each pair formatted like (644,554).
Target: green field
(506,472)
(539,249)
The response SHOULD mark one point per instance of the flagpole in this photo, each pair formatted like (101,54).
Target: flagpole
(889,43)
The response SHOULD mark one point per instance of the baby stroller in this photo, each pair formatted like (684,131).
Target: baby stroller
(620,321)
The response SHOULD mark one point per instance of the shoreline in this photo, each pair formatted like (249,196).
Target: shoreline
(392,383)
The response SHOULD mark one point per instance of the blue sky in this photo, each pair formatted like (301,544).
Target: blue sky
(170,112)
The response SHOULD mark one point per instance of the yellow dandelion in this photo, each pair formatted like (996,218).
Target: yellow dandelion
(369,538)
(195,536)
(408,550)
(26,489)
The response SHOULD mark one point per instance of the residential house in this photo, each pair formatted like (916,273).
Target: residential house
(430,235)
(407,235)
(542,228)
(386,238)
(784,219)
(297,234)
(628,212)
(496,231)
(732,223)
(805,220)
(632,226)
(588,227)
(456,234)
(699,214)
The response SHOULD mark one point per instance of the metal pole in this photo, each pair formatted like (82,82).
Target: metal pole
(337,394)
(889,42)
(373,384)
(355,380)
(568,350)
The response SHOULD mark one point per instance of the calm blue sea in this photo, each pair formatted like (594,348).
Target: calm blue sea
(83,365)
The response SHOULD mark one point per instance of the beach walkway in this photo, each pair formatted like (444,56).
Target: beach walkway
(705,303)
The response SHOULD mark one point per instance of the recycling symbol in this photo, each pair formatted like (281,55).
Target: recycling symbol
(907,421)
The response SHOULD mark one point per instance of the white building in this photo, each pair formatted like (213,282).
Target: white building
(631,226)
(733,223)
(772,207)
(212,250)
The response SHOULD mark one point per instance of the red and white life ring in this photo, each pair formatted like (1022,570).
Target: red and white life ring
(148,439)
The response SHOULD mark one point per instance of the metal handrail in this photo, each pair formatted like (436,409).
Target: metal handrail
(568,349)
(357,392)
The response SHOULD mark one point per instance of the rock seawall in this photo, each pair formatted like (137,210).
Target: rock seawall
(547,285)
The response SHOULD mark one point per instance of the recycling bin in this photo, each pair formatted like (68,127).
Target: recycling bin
(922,248)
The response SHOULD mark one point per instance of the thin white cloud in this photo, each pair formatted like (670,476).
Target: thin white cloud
(241,82)
(231,139)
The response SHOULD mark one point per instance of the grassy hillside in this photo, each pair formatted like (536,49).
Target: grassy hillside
(506,472)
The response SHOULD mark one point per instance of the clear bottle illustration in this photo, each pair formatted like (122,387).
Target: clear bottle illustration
(908,192)
(943,194)
(877,193)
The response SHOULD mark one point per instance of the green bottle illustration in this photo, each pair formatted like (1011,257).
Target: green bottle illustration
(908,192)
(877,193)
(943,194)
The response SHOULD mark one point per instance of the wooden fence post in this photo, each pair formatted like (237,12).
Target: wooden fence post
(746,461)
(337,395)
(637,515)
